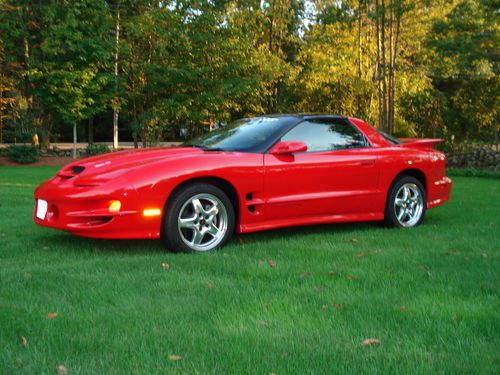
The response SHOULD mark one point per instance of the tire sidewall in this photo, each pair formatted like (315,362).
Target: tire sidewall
(169,230)
(390,216)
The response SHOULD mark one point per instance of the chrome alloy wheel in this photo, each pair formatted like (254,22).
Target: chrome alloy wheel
(202,222)
(408,205)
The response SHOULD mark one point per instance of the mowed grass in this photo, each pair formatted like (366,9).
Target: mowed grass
(292,301)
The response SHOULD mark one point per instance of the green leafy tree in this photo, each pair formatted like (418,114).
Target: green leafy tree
(73,77)
(20,37)
(411,67)
(464,62)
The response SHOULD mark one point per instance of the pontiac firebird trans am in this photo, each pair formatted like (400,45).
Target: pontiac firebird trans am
(255,174)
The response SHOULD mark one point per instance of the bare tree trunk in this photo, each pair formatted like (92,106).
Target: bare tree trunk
(358,99)
(1,115)
(271,26)
(136,122)
(115,109)
(496,130)
(26,66)
(272,20)
(384,70)
(359,39)
(393,64)
(90,134)
(390,67)
(281,23)
(45,141)
(379,86)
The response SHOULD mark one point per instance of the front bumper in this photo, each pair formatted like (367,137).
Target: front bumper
(84,211)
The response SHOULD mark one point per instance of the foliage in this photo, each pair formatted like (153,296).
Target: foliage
(96,149)
(462,53)
(23,154)
(414,68)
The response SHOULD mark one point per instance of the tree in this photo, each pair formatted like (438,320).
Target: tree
(20,25)
(7,101)
(464,62)
(73,77)
(409,67)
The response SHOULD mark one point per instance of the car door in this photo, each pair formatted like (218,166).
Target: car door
(336,177)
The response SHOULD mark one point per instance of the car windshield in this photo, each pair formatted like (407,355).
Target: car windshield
(247,135)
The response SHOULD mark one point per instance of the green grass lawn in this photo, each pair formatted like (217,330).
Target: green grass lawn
(292,301)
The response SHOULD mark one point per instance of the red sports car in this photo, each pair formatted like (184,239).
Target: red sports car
(255,174)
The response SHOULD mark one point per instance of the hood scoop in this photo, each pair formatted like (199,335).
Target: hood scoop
(70,172)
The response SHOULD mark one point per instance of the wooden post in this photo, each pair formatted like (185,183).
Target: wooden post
(74,140)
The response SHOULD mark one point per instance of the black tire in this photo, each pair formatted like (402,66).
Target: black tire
(396,206)
(207,212)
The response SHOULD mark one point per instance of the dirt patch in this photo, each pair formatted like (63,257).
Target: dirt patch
(57,161)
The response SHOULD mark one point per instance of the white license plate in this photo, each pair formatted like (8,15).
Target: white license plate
(41,209)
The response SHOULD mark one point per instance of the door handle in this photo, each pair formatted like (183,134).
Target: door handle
(368,162)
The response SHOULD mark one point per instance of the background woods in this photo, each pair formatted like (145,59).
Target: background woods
(164,70)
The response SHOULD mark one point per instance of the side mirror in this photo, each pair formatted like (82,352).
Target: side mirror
(287,148)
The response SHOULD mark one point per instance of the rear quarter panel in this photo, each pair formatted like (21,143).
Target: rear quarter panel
(396,160)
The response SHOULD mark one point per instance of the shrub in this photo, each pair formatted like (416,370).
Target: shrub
(24,154)
(96,149)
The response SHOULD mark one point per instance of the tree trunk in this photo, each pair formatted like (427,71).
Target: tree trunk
(90,135)
(390,68)
(26,66)
(1,116)
(379,85)
(497,130)
(393,64)
(135,126)
(115,109)
(271,26)
(358,99)
(384,70)
(271,101)
(45,133)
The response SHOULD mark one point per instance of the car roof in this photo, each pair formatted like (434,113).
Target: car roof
(305,115)
(372,135)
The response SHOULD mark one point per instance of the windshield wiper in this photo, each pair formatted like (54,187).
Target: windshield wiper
(204,148)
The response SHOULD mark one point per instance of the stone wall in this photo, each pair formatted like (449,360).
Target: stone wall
(475,156)
(55,151)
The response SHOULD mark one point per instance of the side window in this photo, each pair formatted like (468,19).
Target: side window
(321,135)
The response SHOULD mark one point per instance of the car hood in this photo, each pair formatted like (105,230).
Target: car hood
(102,168)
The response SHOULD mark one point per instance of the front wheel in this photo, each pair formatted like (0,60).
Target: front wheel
(406,203)
(199,217)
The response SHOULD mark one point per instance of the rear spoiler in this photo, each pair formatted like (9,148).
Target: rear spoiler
(419,142)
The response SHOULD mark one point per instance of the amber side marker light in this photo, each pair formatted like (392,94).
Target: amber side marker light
(152,212)
(115,206)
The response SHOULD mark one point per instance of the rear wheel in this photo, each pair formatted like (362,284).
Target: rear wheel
(199,217)
(406,203)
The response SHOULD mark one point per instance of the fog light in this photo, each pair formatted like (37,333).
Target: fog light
(152,212)
(115,206)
